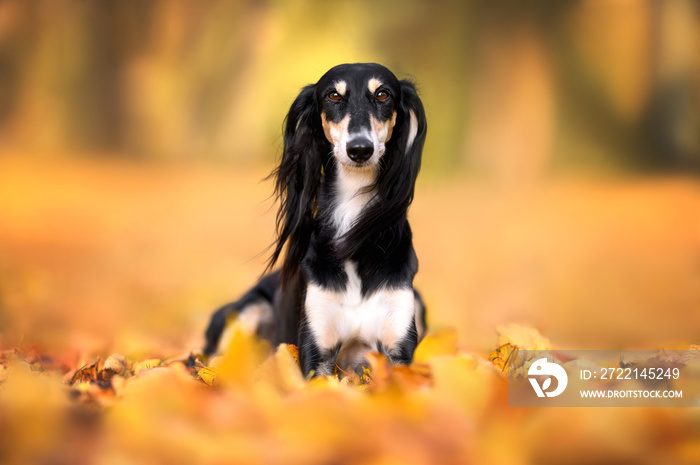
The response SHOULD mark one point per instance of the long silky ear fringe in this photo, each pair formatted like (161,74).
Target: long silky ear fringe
(297,179)
(395,185)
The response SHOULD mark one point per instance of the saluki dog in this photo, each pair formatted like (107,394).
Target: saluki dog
(352,152)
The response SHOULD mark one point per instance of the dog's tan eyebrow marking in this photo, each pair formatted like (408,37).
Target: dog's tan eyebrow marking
(373,85)
(341,87)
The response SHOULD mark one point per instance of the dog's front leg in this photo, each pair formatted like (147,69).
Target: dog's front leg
(320,337)
(314,358)
(395,313)
(401,351)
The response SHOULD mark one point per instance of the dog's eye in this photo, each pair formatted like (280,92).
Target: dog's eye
(335,96)
(381,95)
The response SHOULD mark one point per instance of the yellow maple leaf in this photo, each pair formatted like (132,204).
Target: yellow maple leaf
(244,354)
(438,344)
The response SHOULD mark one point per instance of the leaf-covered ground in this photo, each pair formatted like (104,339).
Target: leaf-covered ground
(253,406)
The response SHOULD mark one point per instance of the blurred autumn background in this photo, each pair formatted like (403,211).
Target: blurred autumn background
(559,187)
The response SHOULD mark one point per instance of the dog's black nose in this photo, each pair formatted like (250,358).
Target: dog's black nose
(360,149)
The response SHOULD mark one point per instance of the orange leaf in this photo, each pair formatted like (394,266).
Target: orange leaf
(436,345)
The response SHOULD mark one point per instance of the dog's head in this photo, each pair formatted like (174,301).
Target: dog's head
(361,116)
(358,108)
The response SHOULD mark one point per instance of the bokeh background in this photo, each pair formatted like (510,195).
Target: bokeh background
(559,189)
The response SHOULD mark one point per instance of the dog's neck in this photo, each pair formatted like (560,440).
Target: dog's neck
(352,191)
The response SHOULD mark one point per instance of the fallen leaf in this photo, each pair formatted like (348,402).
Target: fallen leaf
(116,364)
(85,374)
(281,370)
(435,345)
(505,358)
(146,365)
(243,355)
(208,375)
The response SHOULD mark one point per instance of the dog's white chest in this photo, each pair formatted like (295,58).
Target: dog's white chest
(352,195)
(335,317)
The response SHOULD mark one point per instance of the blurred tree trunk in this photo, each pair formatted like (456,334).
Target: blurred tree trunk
(511,128)
(513,122)
(671,120)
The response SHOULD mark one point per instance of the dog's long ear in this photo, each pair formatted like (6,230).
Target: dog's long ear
(412,131)
(396,181)
(297,179)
